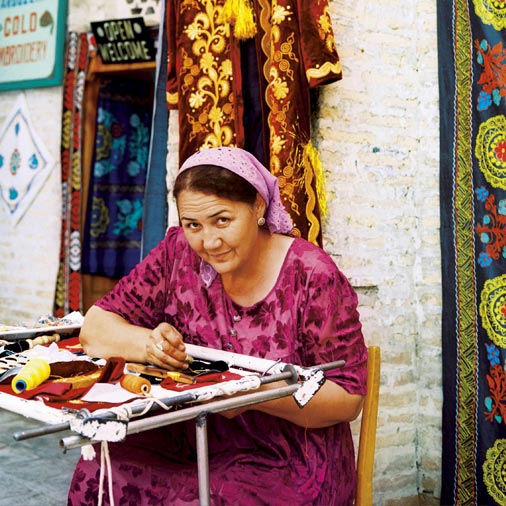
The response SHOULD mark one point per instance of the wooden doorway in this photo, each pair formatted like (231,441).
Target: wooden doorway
(95,285)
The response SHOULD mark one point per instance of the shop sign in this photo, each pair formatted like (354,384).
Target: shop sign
(123,41)
(32,43)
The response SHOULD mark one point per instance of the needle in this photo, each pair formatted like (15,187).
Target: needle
(157,372)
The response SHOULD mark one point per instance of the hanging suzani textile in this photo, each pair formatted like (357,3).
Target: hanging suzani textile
(113,226)
(472,77)
(68,283)
(240,73)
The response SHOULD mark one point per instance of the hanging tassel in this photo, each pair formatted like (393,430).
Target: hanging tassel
(88,452)
(311,154)
(244,27)
(239,13)
(229,10)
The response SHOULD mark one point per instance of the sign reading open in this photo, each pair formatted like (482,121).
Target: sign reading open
(123,41)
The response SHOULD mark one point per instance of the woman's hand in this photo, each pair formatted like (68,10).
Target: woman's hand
(165,348)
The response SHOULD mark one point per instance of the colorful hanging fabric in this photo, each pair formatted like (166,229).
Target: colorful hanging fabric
(113,225)
(255,93)
(472,77)
(68,283)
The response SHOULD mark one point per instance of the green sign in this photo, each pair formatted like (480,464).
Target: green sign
(32,43)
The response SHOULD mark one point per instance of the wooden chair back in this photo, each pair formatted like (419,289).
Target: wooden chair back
(367,438)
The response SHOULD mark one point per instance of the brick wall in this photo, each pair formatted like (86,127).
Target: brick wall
(377,132)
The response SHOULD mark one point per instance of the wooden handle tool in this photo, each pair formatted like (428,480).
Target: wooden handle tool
(158,372)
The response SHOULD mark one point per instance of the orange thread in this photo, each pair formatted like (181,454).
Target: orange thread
(135,384)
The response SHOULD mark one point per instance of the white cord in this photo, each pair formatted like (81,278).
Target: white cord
(105,460)
(101,479)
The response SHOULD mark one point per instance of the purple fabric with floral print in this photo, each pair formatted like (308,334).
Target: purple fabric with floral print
(309,317)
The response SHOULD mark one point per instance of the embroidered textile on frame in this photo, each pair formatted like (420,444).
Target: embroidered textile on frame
(68,283)
(209,80)
(472,77)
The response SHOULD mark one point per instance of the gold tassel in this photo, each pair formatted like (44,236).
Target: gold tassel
(239,13)
(245,27)
(311,154)
(228,11)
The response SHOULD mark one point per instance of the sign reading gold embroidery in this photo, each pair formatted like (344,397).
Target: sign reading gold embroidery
(32,36)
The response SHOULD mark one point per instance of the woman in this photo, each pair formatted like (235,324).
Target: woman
(232,278)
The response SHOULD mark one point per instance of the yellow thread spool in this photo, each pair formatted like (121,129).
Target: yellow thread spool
(135,384)
(32,374)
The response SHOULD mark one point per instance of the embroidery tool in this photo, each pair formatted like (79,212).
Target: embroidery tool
(32,374)
(135,384)
(158,372)
(9,373)
(27,344)
(44,339)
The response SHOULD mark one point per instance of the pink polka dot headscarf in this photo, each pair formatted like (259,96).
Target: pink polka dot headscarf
(244,164)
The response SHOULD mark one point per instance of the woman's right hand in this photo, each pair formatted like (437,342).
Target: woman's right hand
(165,348)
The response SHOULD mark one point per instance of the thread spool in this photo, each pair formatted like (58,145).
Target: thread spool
(32,374)
(135,384)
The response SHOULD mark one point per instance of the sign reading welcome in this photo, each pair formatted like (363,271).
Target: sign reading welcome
(123,41)
(32,43)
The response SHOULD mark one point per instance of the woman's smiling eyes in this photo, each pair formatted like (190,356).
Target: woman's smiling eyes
(192,225)
(219,221)
(223,220)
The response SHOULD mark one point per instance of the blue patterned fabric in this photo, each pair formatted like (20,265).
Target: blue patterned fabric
(472,77)
(113,227)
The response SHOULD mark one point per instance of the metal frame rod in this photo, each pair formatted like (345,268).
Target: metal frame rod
(154,422)
(187,397)
(41,431)
(202,460)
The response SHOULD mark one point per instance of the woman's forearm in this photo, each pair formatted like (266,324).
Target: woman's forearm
(330,405)
(105,334)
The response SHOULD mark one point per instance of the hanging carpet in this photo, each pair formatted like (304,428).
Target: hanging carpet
(472,85)
(68,283)
(113,226)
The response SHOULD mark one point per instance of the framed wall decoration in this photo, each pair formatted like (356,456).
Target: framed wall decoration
(32,43)
(25,162)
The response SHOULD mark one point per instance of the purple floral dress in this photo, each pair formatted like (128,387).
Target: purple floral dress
(309,317)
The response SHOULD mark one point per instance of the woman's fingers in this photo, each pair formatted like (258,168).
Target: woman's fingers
(167,348)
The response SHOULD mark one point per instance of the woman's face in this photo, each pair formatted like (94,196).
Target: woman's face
(221,231)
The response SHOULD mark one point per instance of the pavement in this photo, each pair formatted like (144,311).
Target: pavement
(36,471)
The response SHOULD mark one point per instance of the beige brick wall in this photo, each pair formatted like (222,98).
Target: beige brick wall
(377,131)
(29,250)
